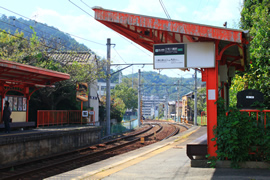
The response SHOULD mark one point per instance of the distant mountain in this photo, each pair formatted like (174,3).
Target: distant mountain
(160,85)
(52,36)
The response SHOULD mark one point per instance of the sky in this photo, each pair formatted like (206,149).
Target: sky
(67,17)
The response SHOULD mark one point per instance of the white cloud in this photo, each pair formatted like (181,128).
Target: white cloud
(144,7)
(225,11)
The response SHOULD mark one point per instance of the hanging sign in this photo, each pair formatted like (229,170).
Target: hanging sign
(182,56)
(169,56)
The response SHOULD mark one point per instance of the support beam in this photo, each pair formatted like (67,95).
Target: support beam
(212,96)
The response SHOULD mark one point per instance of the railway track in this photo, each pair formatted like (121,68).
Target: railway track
(49,166)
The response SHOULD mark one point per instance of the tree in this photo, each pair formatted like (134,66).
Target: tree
(118,107)
(238,84)
(33,52)
(128,95)
(255,18)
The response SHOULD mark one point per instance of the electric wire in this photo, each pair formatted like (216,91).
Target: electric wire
(37,36)
(119,55)
(26,39)
(113,31)
(164,9)
(27,25)
(53,27)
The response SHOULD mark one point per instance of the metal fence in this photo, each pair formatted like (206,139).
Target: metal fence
(119,128)
(59,117)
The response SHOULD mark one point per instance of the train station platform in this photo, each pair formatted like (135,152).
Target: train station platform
(163,160)
(22,145)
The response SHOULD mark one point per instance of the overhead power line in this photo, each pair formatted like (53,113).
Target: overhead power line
(113,31)
(53,27)
(164,9)
(32,34)
(119,55)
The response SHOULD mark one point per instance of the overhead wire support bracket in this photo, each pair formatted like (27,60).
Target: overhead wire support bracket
(135,64)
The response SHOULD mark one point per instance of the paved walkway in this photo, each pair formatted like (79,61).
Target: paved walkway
(163,160)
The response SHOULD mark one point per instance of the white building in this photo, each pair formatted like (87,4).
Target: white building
(102,88)
(150,105)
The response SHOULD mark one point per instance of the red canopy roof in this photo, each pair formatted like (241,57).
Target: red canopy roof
(20,74)
(147,31)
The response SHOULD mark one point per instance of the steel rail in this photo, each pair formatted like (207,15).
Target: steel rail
(89,156)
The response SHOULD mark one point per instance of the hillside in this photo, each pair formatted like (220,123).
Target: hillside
(48,34)
(162,85)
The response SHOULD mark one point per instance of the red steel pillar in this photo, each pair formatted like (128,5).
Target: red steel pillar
(212,96)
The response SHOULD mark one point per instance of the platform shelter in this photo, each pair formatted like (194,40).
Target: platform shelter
(230,50)
(26,80)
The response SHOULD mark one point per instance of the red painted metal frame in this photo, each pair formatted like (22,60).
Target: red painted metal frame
(147,31)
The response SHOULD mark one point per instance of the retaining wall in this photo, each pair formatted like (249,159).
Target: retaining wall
(23,146)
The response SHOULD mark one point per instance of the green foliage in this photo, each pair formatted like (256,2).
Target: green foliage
(201,101)
(237,134)
(160,111)
(211,160)
(32,52)
(255,17)
(128,95)
(118,107)
(238,84)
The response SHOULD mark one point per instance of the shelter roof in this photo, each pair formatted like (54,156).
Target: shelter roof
(13,73)
(147,31)
(66,57)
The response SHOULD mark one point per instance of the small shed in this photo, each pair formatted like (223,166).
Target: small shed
(26,80)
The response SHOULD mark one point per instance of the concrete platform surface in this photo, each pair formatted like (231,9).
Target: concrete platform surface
(163,160)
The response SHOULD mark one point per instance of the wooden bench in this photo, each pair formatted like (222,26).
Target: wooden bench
(197,148)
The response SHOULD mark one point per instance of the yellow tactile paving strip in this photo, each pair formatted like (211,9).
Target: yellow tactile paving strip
(113,169)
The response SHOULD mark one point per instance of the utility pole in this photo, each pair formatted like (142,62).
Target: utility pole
(167,102)
(195,99)
(139,97)
(132,76)
(108,87)
(120,78)
(178,101)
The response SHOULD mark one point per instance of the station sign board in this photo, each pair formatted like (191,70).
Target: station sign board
(169,56)
(184,55)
